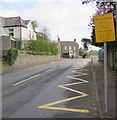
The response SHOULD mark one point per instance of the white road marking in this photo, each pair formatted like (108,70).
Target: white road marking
(50,69)
(26,79)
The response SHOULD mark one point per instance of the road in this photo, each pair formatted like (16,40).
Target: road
(63,89)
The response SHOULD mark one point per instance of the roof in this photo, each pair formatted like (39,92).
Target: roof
(14,21)
(68,42)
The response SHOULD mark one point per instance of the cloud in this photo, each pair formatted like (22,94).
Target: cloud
(66,18)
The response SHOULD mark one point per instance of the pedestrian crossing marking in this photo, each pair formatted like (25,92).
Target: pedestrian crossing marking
(65,86)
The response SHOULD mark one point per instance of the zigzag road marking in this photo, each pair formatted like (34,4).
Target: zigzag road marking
(79,73)
(84,81)
(82,70)
(48,106)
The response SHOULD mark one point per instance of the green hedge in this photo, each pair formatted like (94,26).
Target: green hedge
(40,47)
(10,56)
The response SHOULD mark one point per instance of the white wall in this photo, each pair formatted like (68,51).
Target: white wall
(25,34)
(16,31)
(1,26)
(28,33)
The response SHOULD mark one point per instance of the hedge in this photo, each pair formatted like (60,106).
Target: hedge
(40,47)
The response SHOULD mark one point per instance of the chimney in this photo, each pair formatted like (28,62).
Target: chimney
(74,40)
(58,38)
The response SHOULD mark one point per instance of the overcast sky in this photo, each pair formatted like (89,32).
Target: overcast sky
(67,18)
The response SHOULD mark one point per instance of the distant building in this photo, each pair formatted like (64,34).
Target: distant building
(70,48)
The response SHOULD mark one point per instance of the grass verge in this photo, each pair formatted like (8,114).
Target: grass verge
(3,66)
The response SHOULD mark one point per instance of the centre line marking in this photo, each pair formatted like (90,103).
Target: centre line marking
(50,69)
(26,79)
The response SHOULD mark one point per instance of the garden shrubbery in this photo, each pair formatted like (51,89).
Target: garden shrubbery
(40,47)
(86,55)
(10,56)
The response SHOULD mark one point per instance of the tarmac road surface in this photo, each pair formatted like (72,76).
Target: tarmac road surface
(63,89)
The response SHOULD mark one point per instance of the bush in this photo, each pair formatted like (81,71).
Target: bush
(10,56)
(85,54)
(40,47)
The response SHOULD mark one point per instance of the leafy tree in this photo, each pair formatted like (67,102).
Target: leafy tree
(86,42)
(81,52)
(109,8)
(34,24)
(44,35)
(88,1)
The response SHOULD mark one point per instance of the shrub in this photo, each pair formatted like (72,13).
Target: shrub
(40,47)
(10,56)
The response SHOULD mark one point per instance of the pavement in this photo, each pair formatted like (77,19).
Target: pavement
(98,68)
(98,76)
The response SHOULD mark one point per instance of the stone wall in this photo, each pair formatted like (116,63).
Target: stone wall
(5,42)
(25,59)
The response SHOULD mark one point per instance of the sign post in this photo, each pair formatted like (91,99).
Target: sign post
(105,32)
(105,78)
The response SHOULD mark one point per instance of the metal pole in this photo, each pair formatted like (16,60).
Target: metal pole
(105,77)
(105,73)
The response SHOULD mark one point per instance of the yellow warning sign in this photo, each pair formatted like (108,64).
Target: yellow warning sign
(104,28)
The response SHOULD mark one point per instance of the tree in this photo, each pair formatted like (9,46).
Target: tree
(81,52)
(88,1)
(34,24)
(46,32)
(86,42)
(42,36)
(100,6)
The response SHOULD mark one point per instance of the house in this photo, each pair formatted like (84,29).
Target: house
(70,48)
(17,28)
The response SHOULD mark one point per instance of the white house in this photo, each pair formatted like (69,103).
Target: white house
(16,27)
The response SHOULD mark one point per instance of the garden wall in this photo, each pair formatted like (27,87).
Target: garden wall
(25,59)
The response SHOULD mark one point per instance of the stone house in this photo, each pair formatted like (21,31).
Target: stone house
(68,47)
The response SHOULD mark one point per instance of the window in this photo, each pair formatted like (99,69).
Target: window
(65,47)
(74,47)
(11,32)
(70,47)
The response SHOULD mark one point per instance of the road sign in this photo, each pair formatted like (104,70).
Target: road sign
(104,28)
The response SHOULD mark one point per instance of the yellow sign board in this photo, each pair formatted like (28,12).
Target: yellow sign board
(104,28)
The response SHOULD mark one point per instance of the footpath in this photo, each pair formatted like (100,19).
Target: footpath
(98,70)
